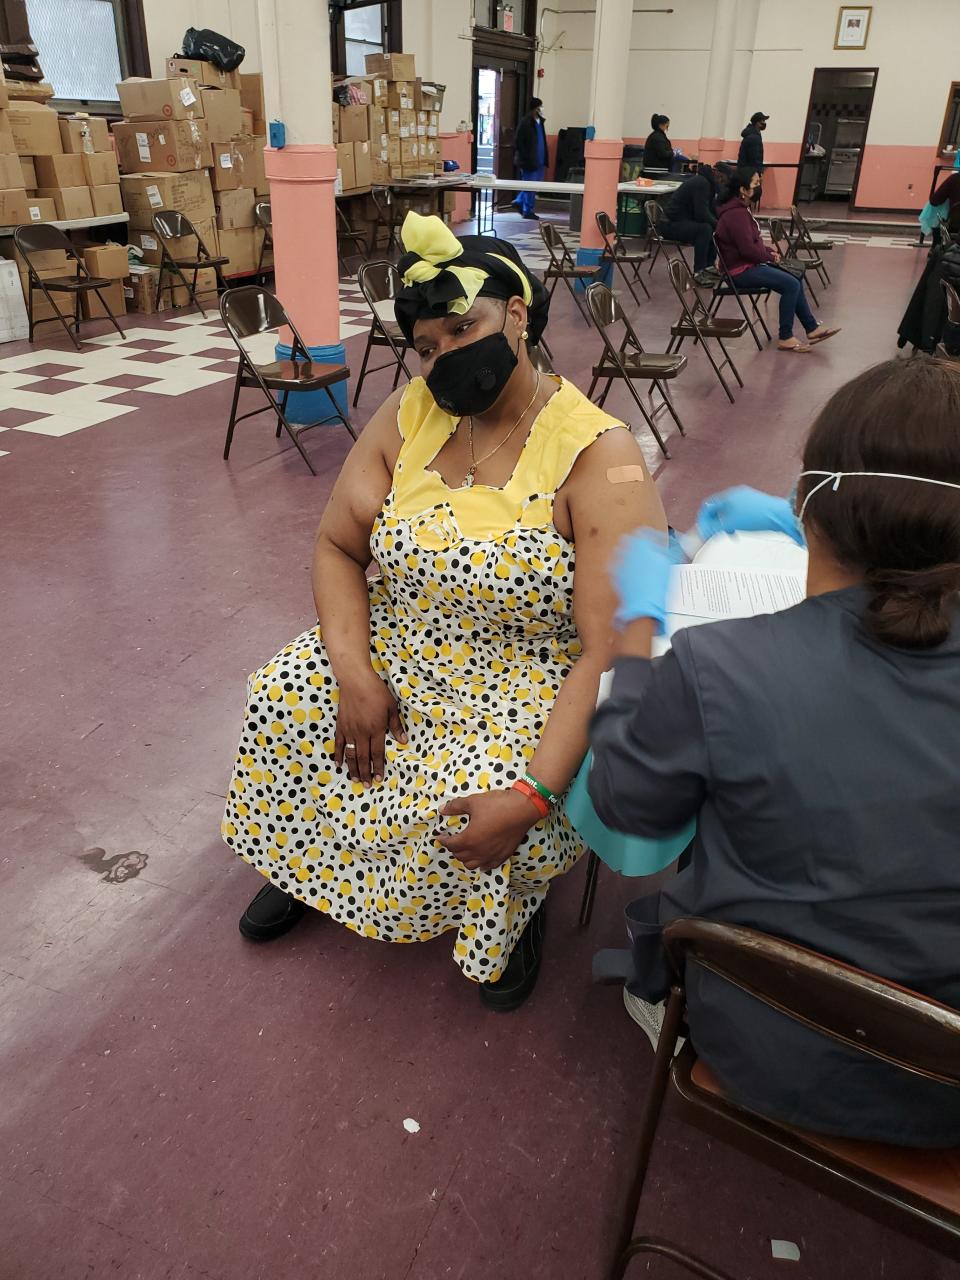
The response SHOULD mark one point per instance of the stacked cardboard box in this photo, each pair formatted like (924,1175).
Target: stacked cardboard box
(407,144)
(193,124)
(67,169)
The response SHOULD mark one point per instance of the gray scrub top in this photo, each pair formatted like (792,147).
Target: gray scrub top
(823,769)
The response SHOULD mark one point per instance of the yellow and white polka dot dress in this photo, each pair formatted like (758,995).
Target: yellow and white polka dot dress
(472,628)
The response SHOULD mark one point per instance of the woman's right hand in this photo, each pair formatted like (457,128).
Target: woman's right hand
(368,711)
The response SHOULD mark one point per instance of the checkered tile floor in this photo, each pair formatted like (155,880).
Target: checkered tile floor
(55,392)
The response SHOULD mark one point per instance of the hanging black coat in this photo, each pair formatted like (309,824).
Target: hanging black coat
(924,320)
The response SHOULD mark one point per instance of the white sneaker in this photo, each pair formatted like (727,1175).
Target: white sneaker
(648,1017)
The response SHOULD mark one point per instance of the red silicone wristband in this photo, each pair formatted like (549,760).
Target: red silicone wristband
(534,796)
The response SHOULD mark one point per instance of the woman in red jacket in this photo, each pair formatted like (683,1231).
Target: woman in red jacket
(753,264)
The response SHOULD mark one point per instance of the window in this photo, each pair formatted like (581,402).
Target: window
(80,43)
(363,32)
(950,136)
(359,27)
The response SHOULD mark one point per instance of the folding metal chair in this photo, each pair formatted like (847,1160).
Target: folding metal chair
(616,252)
(801,226)
(380,283)
(248,311)
(630,362)
(540,360)
(951,330)
(562,266)
(346,234)
(264,217)
(695,322)
(171,225)
(783,245)
(386,219)
(804,247)
(660,245)
(41,237)
(728,288)
(913,1191)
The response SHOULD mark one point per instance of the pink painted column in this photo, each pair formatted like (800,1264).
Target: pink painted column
(602,176)
(302,179)
(458,146)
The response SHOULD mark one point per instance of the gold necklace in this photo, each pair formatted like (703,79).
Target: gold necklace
(474,460)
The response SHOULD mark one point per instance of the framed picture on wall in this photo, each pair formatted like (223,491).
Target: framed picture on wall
(853,25)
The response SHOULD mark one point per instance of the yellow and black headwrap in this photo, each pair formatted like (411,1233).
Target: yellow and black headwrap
(443,275)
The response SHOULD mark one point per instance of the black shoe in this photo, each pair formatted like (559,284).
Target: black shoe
(707,278)
(520,976)
(270,914)
(534,216)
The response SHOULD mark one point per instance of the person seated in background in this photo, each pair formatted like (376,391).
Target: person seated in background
(689,217)
(948,193)
(400,763)
(754,264)
(817,750)
(658,149)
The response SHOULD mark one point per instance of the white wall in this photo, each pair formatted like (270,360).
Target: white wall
(668,66)
(913,43)
(431,32)
(167,20)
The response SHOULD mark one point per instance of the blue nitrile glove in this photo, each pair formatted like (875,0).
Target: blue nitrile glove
(641,575)
(746,510)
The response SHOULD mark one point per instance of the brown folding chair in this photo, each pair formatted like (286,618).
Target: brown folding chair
(562,266)
(541,361)
(248,311)
(379,283)
(803,237)
(914,1191)
(347,235)
(616,252)
(660,245)
(171,225)
(804,247)
(630,362)
(387,219)
(264,217)
(785,247)
(41,237)
(728,288)
(695,322)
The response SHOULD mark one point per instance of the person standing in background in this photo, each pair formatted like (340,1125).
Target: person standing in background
(531,155)
(751,149)
(658,149)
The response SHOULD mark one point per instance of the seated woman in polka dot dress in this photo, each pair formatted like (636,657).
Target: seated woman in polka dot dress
(380,773)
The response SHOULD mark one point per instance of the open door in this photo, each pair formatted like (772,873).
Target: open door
(509,118)
(838,117)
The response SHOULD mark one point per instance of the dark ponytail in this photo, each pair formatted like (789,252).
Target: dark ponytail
(899,417)
(657,120)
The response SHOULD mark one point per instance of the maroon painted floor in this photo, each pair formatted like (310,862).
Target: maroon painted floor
(178,1104)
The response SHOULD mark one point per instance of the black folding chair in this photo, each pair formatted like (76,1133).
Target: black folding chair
(171,225)
(630,362)
(660,245)
(264,217)
(379,283)
(728,288)
(785,247)
(41,237)
(912,1191)
(387,219)
(804,239)
(347,235)
(616,252)
(696,323)
(562,266)
(251,310)
(541,361)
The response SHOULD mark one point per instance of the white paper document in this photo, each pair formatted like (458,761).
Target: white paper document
(701,594)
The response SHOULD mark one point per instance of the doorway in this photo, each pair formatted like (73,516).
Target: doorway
(499,97)
(838,117)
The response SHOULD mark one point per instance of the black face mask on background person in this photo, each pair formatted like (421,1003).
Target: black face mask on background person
(469,381)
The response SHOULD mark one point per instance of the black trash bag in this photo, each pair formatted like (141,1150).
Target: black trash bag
(210,46)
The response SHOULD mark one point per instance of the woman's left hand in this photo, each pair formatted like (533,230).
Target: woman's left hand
(498,822)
